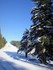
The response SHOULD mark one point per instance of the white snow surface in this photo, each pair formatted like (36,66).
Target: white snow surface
(10,60)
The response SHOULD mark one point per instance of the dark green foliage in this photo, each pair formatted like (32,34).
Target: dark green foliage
(24,41)
(15,43)
(2,41)
(42,17)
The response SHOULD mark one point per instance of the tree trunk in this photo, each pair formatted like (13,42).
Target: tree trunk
(26,54)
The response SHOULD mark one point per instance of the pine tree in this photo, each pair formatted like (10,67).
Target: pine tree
(24,41)
(42,28)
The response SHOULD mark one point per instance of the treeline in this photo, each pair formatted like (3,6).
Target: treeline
(40,34)
(2,41)
(15,43)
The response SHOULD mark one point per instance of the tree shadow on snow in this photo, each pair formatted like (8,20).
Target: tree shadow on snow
(5,65)
(22,57)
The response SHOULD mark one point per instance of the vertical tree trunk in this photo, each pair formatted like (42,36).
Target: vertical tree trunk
(26,54)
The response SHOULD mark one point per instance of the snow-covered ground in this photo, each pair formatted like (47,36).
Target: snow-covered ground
(10,60)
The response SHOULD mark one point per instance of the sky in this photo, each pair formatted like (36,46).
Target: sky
(15,17)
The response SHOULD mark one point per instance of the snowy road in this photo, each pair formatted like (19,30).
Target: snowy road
(10,60)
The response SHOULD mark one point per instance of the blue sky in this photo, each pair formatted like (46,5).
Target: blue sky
(15,17)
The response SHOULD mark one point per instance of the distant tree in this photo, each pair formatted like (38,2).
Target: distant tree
(15,43)
(2,40)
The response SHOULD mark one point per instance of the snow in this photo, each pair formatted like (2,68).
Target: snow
(9,47)
(10,60)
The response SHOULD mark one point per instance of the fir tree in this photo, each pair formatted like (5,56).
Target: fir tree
(24,42)
(42,28)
